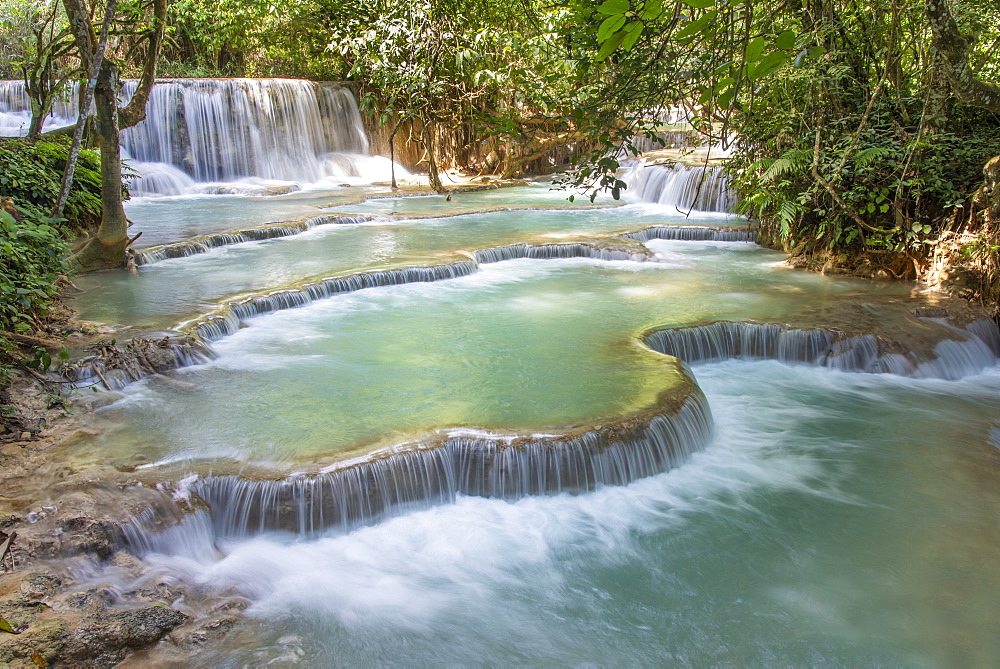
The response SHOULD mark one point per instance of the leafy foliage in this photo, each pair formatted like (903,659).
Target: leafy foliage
(31,253)
(31,178)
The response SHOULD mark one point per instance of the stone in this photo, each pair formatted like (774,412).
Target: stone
(92,401)
(107,638)
(42,637)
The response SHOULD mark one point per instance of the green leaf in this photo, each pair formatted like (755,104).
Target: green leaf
(610,26)
(652,9)
(634,30)
(696,26)
(612,7)
(767,65)
(699,4)
(5,627)
(753,50)
(785,40)
(611,45)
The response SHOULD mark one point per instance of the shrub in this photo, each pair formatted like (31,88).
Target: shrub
(31,176)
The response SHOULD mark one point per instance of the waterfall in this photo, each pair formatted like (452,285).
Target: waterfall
(704,188)
(418,475)
(228,129)
(15,110)
(222,130)
(540,251)
(693,233)
(228,321)
(137,359)
(971,351)
(206,243)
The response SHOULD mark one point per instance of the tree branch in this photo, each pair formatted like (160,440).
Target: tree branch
(135,111)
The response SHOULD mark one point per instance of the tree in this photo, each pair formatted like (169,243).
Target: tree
(106,248)
(846,141)
(38,42)
(479,72)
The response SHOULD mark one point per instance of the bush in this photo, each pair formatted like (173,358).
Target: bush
(31,176)
(31,263)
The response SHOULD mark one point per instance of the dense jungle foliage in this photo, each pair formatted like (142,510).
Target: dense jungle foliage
(33,244)
(855,130)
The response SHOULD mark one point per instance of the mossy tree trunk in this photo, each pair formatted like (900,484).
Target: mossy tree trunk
(430,146)
(106,248)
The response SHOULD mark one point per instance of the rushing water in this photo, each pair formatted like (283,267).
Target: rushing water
(834,517)
(229,135)
(837,519)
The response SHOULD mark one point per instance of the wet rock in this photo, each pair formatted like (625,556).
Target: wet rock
(90,537)
(42,637)
(40,586)
(92,401)
(931,312)
(106,639)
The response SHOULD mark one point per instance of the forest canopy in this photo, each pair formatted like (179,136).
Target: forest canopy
(851,127)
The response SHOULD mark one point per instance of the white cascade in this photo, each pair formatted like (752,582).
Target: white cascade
(202,131)
(701,188)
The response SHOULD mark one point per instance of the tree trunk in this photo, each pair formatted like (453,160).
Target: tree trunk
(106,249)
(954,49)
(430,146)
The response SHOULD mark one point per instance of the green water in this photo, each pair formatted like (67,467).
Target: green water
(522,344)
(163,294)
(836,519)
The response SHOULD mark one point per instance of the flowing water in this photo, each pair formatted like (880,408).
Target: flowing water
(542,515)
(834,518)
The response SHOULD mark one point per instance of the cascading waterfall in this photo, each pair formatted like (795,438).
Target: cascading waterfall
(541,251)
(15,110)
(424,474)
(705,188)
(205,243)
(677,134)
(228,129)
(693,233)
(228,322)
(722,340)
(222,130)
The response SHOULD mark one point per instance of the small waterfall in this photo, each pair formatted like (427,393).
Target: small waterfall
(678,132)
(139,358)
(540,251)
(693,233)
(723,340)
(206,243)
(420,475)
(703,188)
(228,321)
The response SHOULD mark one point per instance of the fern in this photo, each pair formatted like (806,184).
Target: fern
(793,160)
(871,154)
